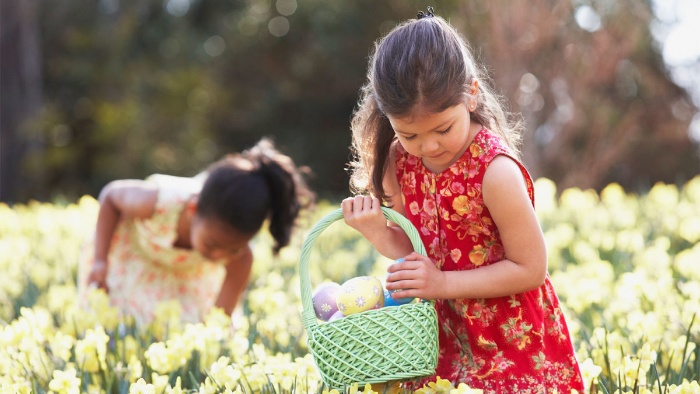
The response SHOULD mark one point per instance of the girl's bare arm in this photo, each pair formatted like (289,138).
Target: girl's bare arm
(237,275)
(119,199)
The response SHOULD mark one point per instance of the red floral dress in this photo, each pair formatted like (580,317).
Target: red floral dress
(514,344)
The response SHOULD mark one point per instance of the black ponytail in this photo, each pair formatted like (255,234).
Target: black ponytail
(261,183)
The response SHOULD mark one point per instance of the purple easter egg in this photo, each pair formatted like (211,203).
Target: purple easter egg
(324,300)
(337,315)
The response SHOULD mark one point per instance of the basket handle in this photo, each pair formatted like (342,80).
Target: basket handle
(308,315)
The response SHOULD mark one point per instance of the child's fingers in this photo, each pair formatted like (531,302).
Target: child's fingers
(408,262)
(364,203)
(403,293)
(375,205)
(359,204)
(415,256)
(346,205)
(402,270)
(400,283)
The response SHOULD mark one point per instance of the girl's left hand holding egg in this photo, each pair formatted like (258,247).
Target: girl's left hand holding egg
(417,276)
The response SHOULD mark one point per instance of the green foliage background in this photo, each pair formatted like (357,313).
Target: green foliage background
(114,89)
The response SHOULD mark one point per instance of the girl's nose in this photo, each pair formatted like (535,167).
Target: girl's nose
(430,146)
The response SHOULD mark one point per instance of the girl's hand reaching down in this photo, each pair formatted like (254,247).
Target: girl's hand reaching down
(98,275)
(417,276)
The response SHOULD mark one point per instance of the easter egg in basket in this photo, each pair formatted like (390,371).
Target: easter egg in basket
(324,299)
(390,301)
(337,315)
(360,294)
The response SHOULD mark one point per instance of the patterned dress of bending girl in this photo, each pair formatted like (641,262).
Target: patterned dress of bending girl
(514,344)
(145,268)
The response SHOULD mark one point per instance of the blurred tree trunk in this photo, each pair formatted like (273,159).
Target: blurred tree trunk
(20,100)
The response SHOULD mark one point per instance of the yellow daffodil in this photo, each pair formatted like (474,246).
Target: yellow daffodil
(92,350)
(177,389)
(65,382)
(141,387)
(439,386)
(462,388)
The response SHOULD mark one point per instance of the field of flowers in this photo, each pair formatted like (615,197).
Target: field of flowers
(626,267)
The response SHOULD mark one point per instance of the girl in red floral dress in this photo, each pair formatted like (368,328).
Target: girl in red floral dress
(433,142)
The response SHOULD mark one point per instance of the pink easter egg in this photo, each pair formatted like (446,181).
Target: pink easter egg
(324,300)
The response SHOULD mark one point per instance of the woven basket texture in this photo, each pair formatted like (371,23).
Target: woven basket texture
(375,346)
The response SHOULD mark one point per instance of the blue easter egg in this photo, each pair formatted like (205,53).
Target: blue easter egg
(390,301)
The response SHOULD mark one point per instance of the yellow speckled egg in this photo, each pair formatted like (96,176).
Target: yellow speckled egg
(360,294)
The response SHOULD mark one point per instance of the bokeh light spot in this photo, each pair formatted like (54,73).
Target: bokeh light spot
(61,135)
(286,7)
(588,19)
(278,26)
(214,46)
(177,7)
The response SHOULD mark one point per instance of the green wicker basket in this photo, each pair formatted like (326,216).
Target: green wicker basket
(375,346)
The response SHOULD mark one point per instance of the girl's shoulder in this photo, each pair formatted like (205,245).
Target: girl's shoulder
(491,144)
(164,181)
(499,161)
(174,191)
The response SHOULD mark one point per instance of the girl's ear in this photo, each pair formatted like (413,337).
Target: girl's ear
(474,87)
(473,94)
(192,204)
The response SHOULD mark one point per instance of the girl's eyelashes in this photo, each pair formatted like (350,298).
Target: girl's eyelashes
(413,136)
(443,132)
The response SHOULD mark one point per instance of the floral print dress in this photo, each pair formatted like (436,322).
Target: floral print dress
(145,268)
(514,344)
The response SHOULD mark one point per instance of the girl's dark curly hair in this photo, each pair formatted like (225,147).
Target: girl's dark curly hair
(243,190)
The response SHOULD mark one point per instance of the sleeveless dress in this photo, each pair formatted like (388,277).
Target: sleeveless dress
(145,268)
(513,344)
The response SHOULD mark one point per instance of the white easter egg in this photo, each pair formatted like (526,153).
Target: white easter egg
(324,300)
(360,294)
(337,315)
